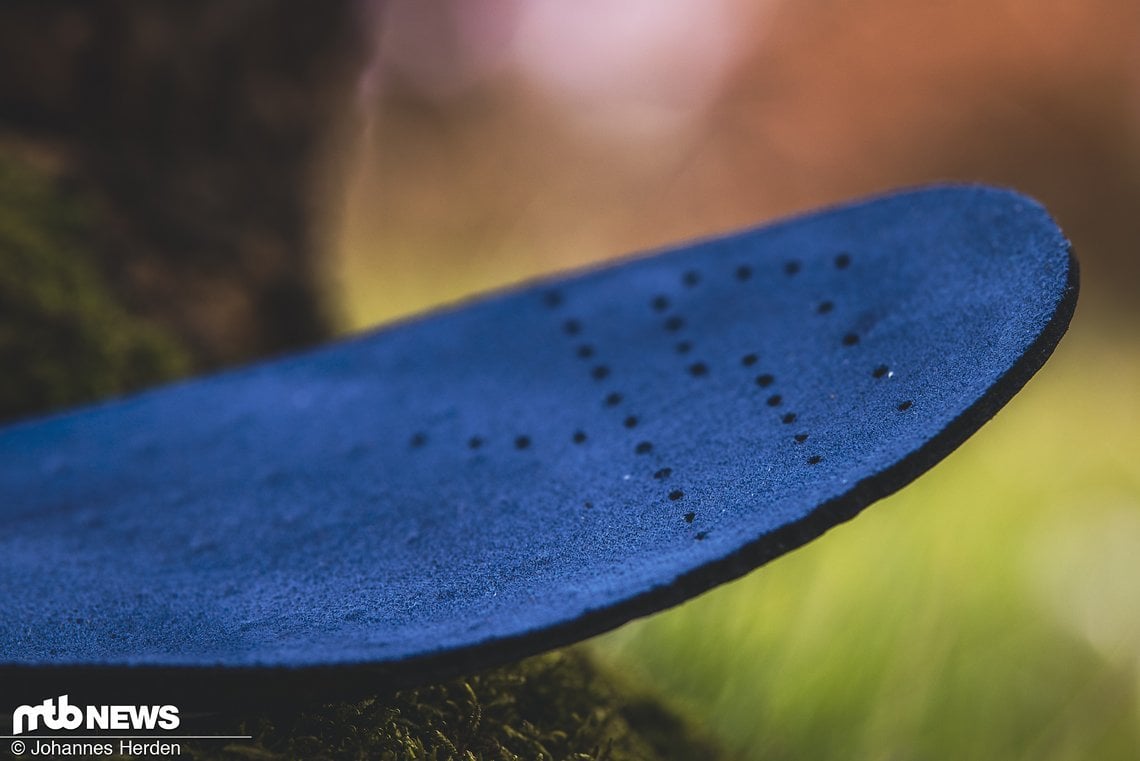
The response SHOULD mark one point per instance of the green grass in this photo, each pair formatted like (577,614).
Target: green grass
(991,610)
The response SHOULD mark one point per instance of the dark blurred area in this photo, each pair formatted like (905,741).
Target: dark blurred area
(188,132)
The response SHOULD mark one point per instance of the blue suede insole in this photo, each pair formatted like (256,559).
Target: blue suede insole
(529,469)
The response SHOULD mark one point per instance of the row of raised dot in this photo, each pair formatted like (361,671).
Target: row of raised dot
(600,372)
(420,439)
(672,324)
(675,323)
(744,272)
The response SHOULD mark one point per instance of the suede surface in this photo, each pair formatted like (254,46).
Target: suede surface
(529,469)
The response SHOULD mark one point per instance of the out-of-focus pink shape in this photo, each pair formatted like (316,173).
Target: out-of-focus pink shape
(439,49)
(634,64)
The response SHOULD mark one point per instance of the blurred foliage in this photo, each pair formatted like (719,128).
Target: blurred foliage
(63,337)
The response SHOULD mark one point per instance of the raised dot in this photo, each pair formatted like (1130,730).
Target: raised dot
(676,494)
(843,261)
(825,307)
(552,299)
(585,351)
(698,369)
(789,418)
(572,327)
(522,442)
(880,371)
(792,267)
(644,447)
(743,272)
(659,303)
(775,400)
(601,372)
(674,323)
(613,399)
(662,474)
(690,517)
(588,505)
(475,442)
(765,380)
(684,347)
(701,536)
(418,440)
(691,278)
(850,339)
(748,360)
(579,437)
(814,459)
(800,438)
(630,422)
(904,406)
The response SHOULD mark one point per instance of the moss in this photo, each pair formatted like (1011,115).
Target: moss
(559,706)
(63,338)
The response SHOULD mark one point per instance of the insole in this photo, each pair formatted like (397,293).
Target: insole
(526,470)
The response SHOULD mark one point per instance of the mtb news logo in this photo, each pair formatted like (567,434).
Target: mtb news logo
(57,714)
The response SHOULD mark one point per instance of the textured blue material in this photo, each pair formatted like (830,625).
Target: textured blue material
(529,469)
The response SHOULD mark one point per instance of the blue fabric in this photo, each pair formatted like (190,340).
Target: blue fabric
(529,469)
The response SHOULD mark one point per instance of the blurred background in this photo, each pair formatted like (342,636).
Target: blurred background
(991,610)
(261,177)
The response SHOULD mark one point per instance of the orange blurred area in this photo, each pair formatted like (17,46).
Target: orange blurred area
(502,140)
(983,612)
